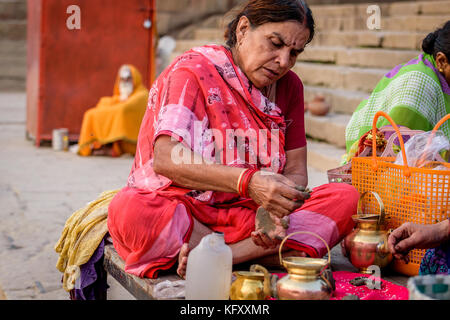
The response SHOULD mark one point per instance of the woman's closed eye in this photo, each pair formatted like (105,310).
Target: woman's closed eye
(277,44)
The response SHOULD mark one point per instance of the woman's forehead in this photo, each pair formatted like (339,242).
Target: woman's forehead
(291,33)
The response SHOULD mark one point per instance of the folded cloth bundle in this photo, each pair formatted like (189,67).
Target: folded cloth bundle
(81,236)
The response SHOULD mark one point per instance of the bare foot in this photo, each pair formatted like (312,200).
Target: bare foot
(182,260)
(294,253)
(103,151)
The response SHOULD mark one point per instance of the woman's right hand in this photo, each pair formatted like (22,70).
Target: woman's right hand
(276,193)
(417,236)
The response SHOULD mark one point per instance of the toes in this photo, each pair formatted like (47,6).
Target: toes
(182,260)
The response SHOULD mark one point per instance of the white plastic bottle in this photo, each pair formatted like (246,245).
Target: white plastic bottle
(209,268)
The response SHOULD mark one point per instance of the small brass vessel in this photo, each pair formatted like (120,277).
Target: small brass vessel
(305,279)
(251,285)
(367,244)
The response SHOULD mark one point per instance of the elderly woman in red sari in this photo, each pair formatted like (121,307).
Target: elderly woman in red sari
(223,135)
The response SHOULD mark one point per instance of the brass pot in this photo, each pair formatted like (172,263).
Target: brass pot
(251,285)
(305,279)
(367,245)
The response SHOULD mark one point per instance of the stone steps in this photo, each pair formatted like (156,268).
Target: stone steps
(359,57)
(323,156)
(342,101)
(374,39)
(13,48)
(329,128)
(414,23)
(13,65)
(13,29)
(339,77)
(406,23)
(13,9)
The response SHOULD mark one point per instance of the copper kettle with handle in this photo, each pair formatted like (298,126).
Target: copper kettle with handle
(367,244)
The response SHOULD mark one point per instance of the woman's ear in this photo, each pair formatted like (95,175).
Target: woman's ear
(242,27)
(441,61)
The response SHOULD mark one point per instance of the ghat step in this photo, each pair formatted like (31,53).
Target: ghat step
(342,101)
(359,57)
(13,65)
(323,156)
(13,29)
(13,9)
(339,77)
(423,23)
(329,128)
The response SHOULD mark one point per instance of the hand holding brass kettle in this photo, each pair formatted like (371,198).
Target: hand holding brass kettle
(367,244)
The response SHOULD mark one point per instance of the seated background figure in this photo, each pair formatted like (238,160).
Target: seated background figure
(112,126)
(415,94)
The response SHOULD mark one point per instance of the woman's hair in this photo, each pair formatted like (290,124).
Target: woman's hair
(259,12)
(438,41)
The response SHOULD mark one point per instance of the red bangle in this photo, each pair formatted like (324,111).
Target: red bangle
(243,187)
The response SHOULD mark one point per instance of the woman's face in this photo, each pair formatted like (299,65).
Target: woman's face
(267,52)
(443,66)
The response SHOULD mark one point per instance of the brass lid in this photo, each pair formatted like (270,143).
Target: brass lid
(304,265)
(249,274)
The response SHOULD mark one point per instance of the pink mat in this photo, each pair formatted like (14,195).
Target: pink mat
(388,291)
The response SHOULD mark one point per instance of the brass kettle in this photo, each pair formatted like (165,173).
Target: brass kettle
(305,279)
(367,244)
(251,285)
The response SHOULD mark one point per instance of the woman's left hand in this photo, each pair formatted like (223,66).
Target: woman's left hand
(262,240)
(269,229)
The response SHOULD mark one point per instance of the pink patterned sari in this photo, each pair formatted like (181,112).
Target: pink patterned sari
(204,101)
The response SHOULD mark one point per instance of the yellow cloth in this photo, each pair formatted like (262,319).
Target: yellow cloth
(81,236)
(112,120)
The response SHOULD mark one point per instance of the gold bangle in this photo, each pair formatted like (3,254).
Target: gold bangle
(239,180)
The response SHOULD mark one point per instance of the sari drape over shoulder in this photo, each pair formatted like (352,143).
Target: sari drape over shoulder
(113,120)
(204,101)
(414,94)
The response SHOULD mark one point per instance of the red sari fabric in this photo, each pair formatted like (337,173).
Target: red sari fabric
(199,100)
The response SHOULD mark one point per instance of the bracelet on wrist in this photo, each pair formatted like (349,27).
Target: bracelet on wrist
(244,181)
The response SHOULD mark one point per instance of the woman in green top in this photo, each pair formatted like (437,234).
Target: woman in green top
(415,94)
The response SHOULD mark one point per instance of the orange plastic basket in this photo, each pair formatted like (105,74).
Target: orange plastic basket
(418,195)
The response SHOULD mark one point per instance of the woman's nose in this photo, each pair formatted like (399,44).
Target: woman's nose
(283,59)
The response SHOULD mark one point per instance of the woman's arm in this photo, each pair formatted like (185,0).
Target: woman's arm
(274,192)
(296,166)
(192,175)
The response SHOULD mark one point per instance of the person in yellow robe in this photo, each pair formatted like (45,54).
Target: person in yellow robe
(112,126)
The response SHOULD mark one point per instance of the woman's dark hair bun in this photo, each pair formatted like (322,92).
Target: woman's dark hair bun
(429,41)
(438,41)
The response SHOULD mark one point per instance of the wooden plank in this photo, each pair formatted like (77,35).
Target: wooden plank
(140,288)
